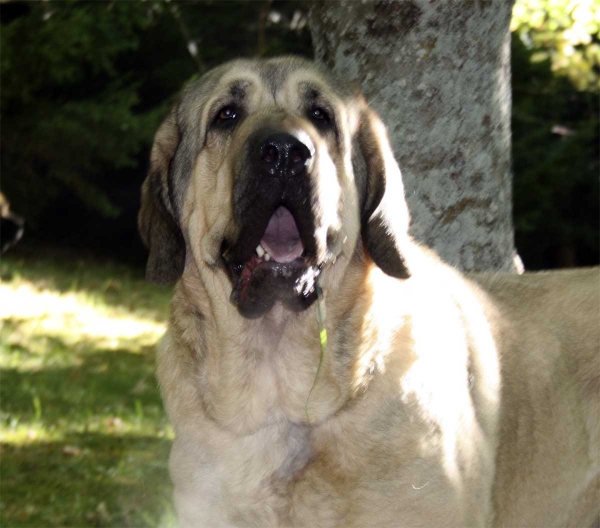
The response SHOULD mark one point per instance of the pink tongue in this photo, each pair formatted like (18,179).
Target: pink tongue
(282,239)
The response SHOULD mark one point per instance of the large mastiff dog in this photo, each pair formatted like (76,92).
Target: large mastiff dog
(320,368)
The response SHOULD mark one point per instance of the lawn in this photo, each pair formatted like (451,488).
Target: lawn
(84,437)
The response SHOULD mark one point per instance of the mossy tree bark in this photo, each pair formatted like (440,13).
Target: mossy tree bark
(438,72)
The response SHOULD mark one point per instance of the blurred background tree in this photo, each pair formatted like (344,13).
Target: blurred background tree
(85,84)
(84,87)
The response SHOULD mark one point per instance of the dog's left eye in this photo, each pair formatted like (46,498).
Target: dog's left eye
(318,114)
(226,117)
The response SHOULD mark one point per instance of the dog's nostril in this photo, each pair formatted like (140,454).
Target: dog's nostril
(269,154)
(296,156)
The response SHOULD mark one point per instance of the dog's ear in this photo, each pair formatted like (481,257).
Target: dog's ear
(384,213)
(157,220)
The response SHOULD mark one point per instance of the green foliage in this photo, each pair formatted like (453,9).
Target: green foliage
(556,165)
(556,83)
(565,32)
(68,113)
(85,84)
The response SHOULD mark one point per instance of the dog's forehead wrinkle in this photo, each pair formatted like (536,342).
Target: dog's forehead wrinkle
(309,90)
(273,78)
(309,81)
(275,72)
(238,88)
(234,90)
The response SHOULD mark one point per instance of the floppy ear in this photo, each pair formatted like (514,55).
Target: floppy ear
(157,222)
(384,213)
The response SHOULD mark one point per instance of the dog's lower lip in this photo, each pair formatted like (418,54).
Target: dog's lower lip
(254,263)
(242,272)
(258,284)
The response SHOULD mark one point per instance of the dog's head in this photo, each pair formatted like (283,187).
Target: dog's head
(269,173)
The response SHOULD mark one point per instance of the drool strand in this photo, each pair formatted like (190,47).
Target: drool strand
(322,341)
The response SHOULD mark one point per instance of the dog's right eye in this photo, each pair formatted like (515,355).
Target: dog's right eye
(226,117)
(319,115)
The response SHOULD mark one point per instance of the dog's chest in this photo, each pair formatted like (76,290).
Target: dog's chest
(273,478)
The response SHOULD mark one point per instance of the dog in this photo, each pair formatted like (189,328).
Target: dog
(321,368)
(12,226)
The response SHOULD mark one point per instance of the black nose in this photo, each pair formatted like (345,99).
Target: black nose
(283,155)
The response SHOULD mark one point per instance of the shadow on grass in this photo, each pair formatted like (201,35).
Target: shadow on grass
(89,479)
(86,437)
(102,382)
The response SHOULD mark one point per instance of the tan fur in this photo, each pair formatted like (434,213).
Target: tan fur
(443,400)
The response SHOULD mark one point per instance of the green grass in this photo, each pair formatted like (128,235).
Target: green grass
(84,437)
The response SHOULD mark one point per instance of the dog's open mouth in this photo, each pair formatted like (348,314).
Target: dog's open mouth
(281,241)
(282,267)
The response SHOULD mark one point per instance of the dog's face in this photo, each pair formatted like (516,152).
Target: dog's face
(267,174)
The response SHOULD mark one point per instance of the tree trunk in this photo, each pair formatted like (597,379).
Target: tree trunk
(438,72)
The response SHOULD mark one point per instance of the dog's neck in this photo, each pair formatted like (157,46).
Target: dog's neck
(253,373)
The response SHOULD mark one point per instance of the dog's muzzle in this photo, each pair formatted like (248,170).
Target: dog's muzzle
(274,256)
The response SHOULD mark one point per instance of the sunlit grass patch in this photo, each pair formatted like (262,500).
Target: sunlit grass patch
(84,436)
(36,316)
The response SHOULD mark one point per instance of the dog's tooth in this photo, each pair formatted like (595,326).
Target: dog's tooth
(267,256)
(260,251)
